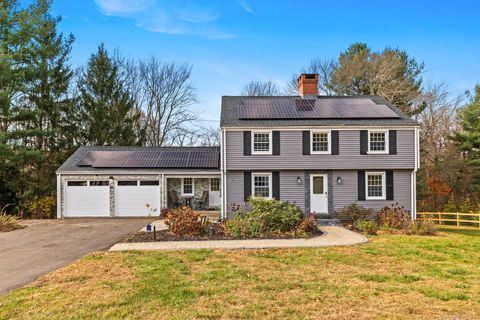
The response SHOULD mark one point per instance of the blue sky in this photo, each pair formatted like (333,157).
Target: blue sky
(230,42)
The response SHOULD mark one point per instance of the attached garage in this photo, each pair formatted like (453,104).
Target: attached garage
(85,198)
(137,198)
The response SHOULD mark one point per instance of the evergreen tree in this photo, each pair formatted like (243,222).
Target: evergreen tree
(469,137)
(108,116)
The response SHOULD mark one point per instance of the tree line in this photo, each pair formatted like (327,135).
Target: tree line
(449,177)
(48,108)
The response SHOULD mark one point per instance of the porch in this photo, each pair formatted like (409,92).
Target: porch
(198,192)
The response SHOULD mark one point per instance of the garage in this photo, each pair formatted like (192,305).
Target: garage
(87,198)
(137,198)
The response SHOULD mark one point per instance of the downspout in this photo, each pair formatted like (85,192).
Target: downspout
(223,165)
(59,197)
(414,173)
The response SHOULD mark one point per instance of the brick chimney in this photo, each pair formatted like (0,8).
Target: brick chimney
(308,85)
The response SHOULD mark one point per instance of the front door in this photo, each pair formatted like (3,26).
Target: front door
(318,193)
(214,195)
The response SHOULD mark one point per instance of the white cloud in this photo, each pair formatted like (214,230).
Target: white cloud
(245,5)
(170,17)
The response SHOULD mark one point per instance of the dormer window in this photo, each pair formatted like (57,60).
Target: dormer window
(320,142)
(378,141)
(262,142)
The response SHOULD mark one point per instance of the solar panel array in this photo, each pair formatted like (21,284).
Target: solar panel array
(325,108)
(153,158)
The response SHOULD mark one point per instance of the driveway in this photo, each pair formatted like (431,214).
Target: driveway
(46,245)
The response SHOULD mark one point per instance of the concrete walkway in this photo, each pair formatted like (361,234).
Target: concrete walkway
(332,236)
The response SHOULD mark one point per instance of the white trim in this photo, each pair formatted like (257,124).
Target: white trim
(329,137)
(59,197)
(332,127)
(384,185)
(387,142)
(262,174)
(193,188)
(325,188)
(222,175)
(269,152)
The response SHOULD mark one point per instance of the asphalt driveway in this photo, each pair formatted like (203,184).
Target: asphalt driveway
(47,245)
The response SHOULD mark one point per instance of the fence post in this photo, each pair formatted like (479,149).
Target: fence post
(458,219)
(439,218)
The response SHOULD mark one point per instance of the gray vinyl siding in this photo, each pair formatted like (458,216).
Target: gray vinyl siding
(289,189)
(340,195)
(291,157)
(346,193)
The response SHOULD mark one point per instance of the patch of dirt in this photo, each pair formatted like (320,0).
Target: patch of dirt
(216,232)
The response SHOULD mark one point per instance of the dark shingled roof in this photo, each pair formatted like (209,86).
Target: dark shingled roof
(241,111)
(98,158)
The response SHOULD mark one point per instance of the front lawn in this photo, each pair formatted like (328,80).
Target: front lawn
(392,276)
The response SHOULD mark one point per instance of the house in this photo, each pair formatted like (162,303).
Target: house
(321,153)
(121,181)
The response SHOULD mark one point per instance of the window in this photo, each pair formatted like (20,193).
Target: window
(214,184)
(187,187)
(127,183)
(77,183)
(320,142)
(261,143)
(98,183)
(149,183)
(262,185)
(378,142)
(375,185)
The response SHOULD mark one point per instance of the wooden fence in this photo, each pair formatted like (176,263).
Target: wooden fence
(452,219)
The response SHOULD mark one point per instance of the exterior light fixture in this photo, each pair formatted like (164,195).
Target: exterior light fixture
(299,180)
(339,180)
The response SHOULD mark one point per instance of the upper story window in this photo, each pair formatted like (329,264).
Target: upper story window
(187,187)
(262,185)
(320,142)
(375,186)
(377,141)
(262,142)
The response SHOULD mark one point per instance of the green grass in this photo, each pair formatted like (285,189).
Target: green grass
(392,276)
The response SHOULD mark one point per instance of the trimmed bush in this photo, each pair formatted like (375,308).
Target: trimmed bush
(184,221)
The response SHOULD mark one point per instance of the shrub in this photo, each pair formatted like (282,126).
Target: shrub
(8,222)
(367,226)
(266,216)
(354,213)
(394,217)
(184,221)
(421,228)
(308,225)
(164,213)
(43,207)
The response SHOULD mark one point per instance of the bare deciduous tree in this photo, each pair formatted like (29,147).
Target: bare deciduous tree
(205,137)
(165,93)
(261,88)
(324,69)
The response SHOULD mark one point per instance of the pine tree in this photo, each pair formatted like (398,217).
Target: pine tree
(108,116)
(469,137)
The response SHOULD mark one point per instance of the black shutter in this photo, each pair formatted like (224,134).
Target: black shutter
(361,185)
(276,185)
(247,143)
(363,141)
(276,143)
(306,142)
(389,178)
(247,185)
(392,141)
(335,142)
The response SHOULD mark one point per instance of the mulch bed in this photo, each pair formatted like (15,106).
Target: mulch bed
(217,233)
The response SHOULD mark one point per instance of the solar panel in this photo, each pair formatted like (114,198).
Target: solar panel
(152,158)
(325,108)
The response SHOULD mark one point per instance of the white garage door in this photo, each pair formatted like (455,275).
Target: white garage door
(132,197)
(87,199)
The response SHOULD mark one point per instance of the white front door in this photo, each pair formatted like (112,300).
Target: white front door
(214,194)
(318,193)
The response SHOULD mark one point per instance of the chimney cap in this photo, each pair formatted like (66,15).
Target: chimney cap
(309,76)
